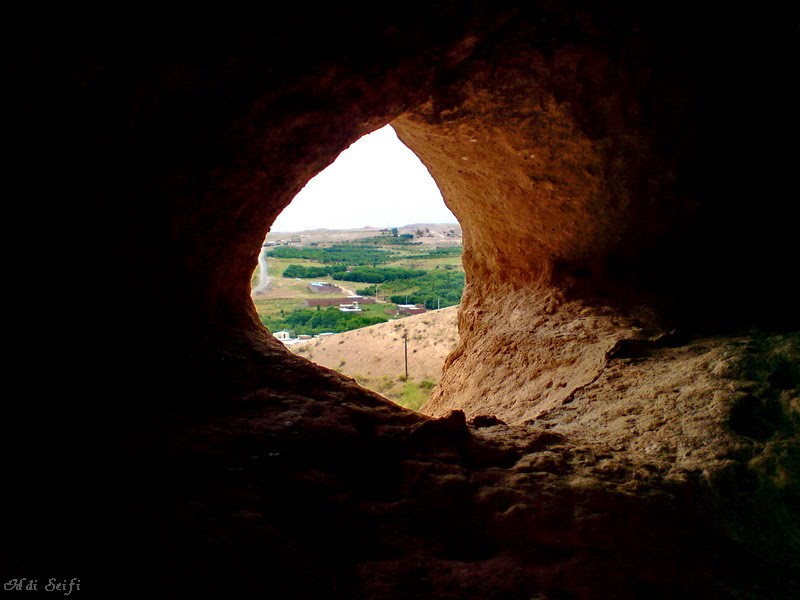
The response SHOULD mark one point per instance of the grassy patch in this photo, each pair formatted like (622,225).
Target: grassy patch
(410,394)
(273,308)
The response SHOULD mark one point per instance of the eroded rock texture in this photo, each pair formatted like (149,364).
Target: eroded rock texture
(620,419)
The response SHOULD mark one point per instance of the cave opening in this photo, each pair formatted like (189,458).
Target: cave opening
(362,271)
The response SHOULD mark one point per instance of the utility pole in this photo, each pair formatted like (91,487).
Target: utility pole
(405,347)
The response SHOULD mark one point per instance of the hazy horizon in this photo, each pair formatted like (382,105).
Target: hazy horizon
(377,182)
(366,227)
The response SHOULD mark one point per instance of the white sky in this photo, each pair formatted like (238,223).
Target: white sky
(376,182)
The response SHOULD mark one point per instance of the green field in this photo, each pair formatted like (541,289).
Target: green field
(422,273)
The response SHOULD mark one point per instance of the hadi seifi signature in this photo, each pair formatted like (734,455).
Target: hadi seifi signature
(64,586)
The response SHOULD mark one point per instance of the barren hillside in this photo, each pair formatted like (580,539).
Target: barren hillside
(374,356)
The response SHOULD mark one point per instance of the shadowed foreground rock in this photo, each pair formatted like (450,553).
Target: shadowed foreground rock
(620,418)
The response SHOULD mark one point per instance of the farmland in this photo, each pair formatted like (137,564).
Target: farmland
(393,269)
(407,269)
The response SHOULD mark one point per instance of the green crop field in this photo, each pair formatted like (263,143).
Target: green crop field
(405,271)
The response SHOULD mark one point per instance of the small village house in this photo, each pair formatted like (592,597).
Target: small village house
(353,307)
(410,309)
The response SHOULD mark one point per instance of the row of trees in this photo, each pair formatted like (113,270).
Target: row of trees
(314,321)
(377,275)
(348,254)
(358,254)
(312,272)
(434,289)
(402,239)
(443,252)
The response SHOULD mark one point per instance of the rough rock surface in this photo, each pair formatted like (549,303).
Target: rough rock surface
(628,358)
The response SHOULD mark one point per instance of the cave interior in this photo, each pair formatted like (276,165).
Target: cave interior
(621,416)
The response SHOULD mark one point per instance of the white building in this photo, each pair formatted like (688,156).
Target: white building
(353,307)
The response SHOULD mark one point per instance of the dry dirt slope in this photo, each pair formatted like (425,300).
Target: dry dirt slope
(374,355)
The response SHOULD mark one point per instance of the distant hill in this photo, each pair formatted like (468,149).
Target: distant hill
(323,234)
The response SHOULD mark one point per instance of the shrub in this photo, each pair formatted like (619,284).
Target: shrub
(427,384)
